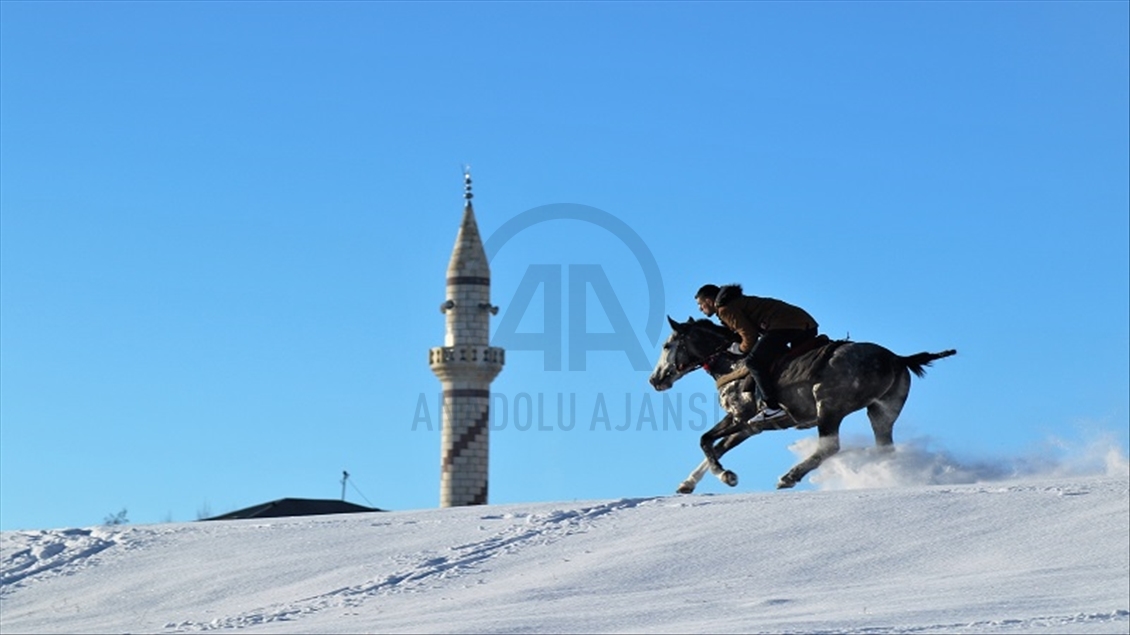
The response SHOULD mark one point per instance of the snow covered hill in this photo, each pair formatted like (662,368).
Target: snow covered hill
(1047,556)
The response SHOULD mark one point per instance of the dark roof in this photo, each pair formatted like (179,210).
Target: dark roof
(295,507)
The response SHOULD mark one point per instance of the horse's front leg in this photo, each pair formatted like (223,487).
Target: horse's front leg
(731,432)
(720,430)
(687,486)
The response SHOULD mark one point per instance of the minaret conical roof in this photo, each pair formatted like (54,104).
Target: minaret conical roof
(468,259)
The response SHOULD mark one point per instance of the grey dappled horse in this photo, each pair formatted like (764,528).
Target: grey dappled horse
(818,388)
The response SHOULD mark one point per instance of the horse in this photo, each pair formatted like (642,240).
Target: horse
(818,387)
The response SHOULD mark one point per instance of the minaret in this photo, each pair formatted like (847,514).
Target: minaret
(465,365)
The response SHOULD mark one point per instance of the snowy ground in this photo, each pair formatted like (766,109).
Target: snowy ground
(1013,556)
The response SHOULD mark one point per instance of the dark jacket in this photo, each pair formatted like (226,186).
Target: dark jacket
(749,316)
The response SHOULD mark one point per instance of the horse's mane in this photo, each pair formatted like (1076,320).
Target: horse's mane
(718,329)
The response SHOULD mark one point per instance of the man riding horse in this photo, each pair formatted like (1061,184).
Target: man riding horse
(819,387)
(767,327)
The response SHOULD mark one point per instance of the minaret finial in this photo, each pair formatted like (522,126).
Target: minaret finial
(467,195)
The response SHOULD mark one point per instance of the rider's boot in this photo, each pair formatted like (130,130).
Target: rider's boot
(768,413)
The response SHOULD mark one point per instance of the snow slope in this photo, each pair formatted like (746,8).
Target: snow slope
(1045,556)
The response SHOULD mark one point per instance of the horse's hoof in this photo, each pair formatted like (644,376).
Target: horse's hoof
(729,478)
(686,487)
(785,483)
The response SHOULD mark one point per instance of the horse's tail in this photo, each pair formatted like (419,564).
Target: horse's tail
(917,363)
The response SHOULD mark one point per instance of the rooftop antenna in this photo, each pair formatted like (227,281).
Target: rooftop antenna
(344,478)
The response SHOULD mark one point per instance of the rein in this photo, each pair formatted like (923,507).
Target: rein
(734,375)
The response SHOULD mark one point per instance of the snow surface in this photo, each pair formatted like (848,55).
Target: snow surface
(1009,556)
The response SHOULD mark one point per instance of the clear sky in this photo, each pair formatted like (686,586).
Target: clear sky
(224,229)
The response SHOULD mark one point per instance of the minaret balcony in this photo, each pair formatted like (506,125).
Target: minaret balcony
(466,361)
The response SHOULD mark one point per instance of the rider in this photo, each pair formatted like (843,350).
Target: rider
(767,327)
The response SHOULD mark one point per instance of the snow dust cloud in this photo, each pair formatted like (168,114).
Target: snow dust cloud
(859,464)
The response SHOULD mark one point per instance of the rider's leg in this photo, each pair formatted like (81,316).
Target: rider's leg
(770,346)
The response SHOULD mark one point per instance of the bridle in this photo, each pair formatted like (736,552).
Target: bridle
(706,361)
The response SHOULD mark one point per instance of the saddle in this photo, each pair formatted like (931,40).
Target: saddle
(816,343)
(798,350)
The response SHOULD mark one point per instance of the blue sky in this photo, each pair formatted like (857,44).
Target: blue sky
(224,229)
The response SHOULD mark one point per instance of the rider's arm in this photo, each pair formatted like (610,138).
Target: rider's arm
(740,324)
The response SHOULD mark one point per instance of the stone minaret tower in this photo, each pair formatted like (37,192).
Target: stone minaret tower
(465,365)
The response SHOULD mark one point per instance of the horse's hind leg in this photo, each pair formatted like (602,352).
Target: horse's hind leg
(826,447)
(883,411)
(828,444)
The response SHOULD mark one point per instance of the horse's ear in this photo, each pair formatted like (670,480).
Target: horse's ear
(675,326)
(690,320)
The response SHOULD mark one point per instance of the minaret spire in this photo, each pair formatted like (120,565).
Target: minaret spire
(465,365)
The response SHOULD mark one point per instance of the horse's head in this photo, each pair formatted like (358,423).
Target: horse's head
(689,346)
